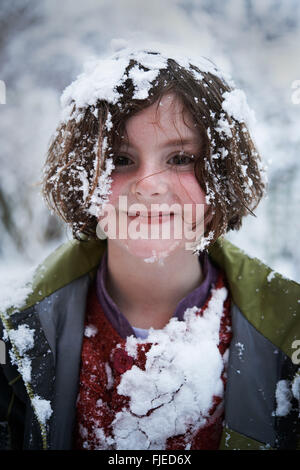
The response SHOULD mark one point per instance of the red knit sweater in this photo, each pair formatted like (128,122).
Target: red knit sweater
(105,360)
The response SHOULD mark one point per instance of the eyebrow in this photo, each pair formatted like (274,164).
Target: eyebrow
(170,143)
(181,142)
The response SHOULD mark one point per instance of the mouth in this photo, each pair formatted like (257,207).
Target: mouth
(158,217)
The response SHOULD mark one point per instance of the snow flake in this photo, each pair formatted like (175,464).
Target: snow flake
(265,447)
(103,189)
(244,169)
(15,290)
(142,81)
(204,241)
(224,127)
(271,276)
(82,174)
(241,349)
(109,375)
(296,389)
(90,330)
(283,396)
(42,408)
(235,104)
(131,346)
(5,336)
(22,338)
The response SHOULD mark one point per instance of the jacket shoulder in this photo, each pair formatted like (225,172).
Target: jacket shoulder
(269,301)
(67,263)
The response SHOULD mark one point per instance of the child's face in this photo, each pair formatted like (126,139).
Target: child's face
(154,165)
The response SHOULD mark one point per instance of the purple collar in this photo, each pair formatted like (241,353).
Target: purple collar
(195,298)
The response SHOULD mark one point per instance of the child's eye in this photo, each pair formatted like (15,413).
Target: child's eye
(121,160)
(177,160)
(182,160)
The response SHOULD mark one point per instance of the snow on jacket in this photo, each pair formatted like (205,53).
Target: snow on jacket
(39,381)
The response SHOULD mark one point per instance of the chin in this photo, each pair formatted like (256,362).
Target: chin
(152,250)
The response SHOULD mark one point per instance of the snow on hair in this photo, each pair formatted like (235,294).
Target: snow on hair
(95,107)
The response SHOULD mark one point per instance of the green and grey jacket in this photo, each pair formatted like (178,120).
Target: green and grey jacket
(39,381)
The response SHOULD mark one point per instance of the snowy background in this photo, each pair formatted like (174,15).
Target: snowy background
(42,47)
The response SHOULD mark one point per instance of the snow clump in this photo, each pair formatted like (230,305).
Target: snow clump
(178,390)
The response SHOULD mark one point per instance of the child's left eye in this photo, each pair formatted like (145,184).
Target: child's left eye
(182,160)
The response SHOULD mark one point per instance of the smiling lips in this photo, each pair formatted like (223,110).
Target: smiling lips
(153,217)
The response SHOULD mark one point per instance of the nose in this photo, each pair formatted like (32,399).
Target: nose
(151,185)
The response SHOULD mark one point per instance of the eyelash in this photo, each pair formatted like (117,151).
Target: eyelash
(181,155)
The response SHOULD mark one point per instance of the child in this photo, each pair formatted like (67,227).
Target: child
(135,337)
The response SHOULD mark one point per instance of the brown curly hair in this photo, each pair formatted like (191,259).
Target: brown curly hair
(229,171)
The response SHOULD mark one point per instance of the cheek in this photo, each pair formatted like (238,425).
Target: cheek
(118,182)
(193,195)
(190,190)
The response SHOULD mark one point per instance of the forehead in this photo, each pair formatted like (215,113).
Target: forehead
(166,119)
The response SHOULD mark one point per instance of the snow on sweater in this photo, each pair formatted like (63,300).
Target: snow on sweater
(163,392)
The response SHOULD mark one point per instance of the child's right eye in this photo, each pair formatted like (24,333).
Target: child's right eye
(121,160)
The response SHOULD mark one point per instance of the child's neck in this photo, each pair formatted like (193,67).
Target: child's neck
(148,293)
